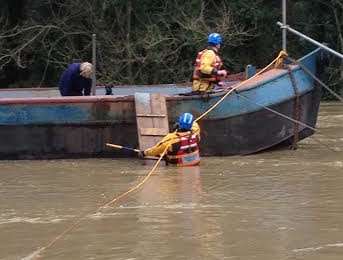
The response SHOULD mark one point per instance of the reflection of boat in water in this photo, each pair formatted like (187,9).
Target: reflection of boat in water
(36,123)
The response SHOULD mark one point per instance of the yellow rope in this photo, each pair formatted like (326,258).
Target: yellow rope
(141,183)
(281,55)
(36,254)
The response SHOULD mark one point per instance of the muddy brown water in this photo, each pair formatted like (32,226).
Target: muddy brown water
(275,205)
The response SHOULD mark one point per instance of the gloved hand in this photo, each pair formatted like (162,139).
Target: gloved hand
(141,154)
(222,73)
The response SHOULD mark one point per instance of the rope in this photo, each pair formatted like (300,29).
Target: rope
(278,113)
(139,184)
(315,78)
(281,55)
(36,254)
(291,119)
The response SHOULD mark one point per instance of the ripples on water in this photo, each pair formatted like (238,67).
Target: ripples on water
(274,205)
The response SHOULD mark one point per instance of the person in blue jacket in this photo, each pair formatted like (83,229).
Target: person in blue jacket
(76,80)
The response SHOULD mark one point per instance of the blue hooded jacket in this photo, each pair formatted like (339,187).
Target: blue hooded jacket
(72,83)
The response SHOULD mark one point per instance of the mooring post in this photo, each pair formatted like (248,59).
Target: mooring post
(94,64)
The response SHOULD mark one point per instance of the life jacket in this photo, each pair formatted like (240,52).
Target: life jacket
(217,64)
(186,151)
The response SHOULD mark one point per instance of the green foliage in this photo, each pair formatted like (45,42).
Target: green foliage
(154,41)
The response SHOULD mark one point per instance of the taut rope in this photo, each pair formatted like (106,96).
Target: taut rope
(74,225)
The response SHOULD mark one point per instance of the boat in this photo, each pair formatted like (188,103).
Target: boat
(39,124)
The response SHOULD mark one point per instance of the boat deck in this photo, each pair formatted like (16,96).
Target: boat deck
(119,91)
(23,94)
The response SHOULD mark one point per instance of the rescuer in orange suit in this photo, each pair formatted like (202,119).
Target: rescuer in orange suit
(183,144)
(208,69)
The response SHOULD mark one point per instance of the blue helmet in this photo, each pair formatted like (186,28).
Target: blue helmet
(214,39)
(186,121)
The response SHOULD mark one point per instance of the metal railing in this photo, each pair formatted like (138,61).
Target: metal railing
(288,28)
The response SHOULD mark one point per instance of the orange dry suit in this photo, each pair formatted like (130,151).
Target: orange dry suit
(183,147)
(207,64)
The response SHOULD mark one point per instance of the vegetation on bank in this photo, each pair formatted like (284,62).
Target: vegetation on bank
(156,41)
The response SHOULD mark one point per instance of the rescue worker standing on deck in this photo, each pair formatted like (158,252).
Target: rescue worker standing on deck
(76,80)
(183,144)
(208,69)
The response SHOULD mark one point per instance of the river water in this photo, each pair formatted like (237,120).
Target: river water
(275,205)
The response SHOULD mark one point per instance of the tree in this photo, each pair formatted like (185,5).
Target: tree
(155,41)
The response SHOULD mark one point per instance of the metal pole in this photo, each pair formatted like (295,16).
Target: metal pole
(310,40)
(284,21)
(94,64)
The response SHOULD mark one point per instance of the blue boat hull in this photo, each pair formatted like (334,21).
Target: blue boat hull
(80,127)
